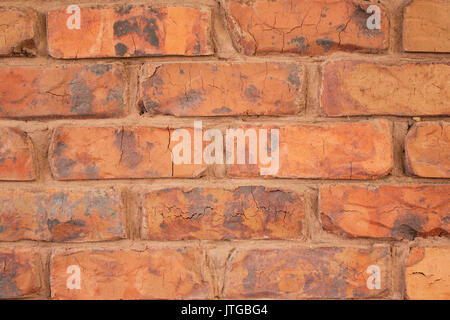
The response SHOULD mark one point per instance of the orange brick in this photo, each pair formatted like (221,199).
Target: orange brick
(403,89)
(79,153)
(427,273)
(130,31)
(427,150)
(131,274)
(16,155)
(96,90)
(222,89)
(18,31)
(19,272)
(399,212)
(360,150)
(309,27)
(58,215)
(426,27)
(303,272)
(251,212)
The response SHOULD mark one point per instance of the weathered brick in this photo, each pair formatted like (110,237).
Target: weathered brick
(426,27)
(360,150)
(16,155)
(57,215)
(19,272)
(399,212)
(18,31)
(222,88)
(130,31)
(302,272)
(96,90)
(427,273)
(131,274)
(308,27)
(427,150)
(78,153)
(250,212)
(402,89)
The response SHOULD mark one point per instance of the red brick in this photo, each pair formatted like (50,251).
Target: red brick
(426,27)
(402,89)
(18,29)
(130,31)
(95,90)
(251,212)
(58,215)
(427,150)
(427,273)
(296,272)
(19,272)
(360,150)
(399,212)
(222,88)
(78,153)
(308,27)
(16,155)
(131,274)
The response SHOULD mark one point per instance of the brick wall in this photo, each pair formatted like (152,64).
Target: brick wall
(93,205)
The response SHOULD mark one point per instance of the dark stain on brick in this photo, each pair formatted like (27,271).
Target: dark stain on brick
(8,273)
(126,142)
(64,167)
(122,10)
(120,49)
(326,43)
(151,32)
(293,77)
(124,27)
(190,99)
(100,69)
(81,97)
(252,93)
(221,110)
(92,171)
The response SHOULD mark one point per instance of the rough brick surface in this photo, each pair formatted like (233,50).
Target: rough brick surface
(58,215)
(302,272)
(16,155)
(426,27)
(17,31)
(130,31)
(131,274)
(333,151)
(19,272)
(251,212)
(222,89)
(307,27)
(427,150)
(96,90)
(399,212)
(78,153)
(427,273)
(366,88)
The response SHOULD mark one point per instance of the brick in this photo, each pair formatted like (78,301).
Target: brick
(399,212)
(131,274)
(426,27)
(80,153)
(402,89)
(16,155)
(309,27)
(303,272)
(94,90)
(427,150)
(18,31)
(223,89)
(58,215)
(250,212)
(19,272)
(361,150)
(130,31)
(427,273)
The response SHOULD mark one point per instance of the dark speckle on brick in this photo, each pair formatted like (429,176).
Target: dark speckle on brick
(120,49)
